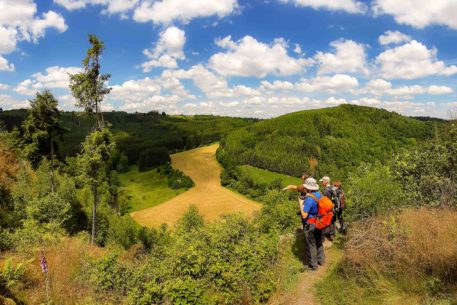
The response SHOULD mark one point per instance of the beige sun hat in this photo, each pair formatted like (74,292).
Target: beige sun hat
(311,184)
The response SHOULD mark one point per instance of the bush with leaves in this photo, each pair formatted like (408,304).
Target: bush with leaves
(10,276)
(176,178)
(278,213)
(427,172)
(122,231)
(372,190)
(229,261)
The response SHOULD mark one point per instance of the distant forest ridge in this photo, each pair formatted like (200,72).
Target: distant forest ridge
(329,141)
(136,132)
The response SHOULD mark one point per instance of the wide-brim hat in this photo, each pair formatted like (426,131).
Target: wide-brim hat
(311,184)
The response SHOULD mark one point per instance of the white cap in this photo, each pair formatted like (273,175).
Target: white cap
(325,178)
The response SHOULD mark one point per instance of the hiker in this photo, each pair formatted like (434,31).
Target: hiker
(339,204)
(329,192)
(301,197)
(328,188)
(313,236)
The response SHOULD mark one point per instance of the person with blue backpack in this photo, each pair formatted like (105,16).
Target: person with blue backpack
(313,236)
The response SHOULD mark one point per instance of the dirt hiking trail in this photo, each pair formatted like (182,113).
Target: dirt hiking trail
(211,199)
(303,292)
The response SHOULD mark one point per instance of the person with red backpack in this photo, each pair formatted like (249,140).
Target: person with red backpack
(317,215)
(329,192)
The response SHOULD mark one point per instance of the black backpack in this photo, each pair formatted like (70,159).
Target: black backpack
(338,199)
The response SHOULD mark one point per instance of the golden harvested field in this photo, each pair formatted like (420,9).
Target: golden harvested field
(211,199)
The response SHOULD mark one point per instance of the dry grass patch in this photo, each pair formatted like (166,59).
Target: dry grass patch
(413,252)
(66,260)
(407,258)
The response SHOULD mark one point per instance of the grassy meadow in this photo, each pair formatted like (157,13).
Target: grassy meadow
(263,176)
(146,189)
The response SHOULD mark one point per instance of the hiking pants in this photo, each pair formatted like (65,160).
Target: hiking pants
(314,246)
(339,216)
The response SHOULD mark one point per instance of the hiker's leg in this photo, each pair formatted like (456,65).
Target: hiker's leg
(311,247)
(303,222)
(319,246)
(341,220)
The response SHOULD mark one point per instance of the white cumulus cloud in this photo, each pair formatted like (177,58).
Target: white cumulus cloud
(249,57)
(55,77)
(5,65)
(8,102)
(167,51)
(349,6)
(419,13)
(333,84)
(110,6)
(382,87)
(393,37)
(166,11)
(349,57)
(412,60)
(18,22)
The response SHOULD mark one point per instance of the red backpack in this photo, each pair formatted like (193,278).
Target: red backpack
(324,212)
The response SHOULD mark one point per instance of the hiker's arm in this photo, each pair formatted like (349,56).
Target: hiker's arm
(290,188)
(304,215)
(298,188)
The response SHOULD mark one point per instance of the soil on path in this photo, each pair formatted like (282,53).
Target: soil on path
(211,199)
(303,292)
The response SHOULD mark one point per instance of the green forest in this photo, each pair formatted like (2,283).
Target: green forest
(330,141)
(136,132)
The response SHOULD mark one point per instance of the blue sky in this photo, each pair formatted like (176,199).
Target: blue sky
(236,57)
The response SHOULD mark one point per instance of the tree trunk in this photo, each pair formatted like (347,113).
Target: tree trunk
(53,181)
(94,213)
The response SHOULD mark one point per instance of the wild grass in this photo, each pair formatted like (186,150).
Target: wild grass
(147,189)
(262,176)
(408,258)
(65,262)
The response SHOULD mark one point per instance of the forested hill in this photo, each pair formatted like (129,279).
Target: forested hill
(136,132)
(329,141)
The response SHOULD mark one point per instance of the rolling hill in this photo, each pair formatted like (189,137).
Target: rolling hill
(329,141)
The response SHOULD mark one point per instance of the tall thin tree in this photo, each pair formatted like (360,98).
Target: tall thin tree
(89,89)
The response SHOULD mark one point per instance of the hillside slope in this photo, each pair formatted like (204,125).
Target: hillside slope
(326,141)
(135,132)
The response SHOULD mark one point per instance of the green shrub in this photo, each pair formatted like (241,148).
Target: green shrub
(122,231)
(278,212)
(191,220)
(109,275)
(10,275)
(184,291)
(427,173)
(176,178)
(372,190)
(50,208)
